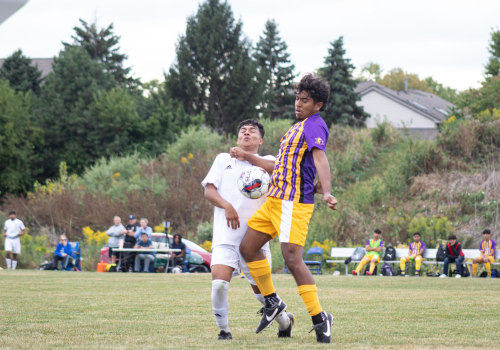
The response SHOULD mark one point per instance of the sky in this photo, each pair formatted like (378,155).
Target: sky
(445,39)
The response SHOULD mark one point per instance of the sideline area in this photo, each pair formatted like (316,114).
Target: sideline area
(88,310)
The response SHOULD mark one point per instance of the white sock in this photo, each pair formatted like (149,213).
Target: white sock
(14,264)
(283,321)
(8,263)
(220,304)
(260,298)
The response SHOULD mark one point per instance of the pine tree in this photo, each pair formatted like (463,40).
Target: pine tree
(102,45)
(275,72)
(493,66)
(341,107)
(22,76)
(214,73)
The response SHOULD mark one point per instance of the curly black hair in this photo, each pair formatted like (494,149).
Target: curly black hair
(316,87)
(252,122)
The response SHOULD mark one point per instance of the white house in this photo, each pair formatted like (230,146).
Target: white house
(418,111)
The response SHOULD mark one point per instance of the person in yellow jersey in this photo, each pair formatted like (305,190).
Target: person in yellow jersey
(373,249)
(289,205)
(416,252)
(487,251)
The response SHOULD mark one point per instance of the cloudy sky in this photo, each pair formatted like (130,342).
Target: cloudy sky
(445,39)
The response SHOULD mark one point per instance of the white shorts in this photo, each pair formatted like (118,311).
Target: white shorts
(13,245)
(229,255)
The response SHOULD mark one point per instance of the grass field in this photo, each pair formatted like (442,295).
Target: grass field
(58,310)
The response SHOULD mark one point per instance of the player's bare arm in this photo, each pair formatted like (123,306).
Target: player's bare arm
(215,198)
(323,169)
(240,154)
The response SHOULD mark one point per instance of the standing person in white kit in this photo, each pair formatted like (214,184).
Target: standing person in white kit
(12,230)
(232,210)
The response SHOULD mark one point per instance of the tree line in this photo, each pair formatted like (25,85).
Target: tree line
(89,106)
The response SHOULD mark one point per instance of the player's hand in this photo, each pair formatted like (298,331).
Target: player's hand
(4,234)
(330,200)
(238,153)
(232,217)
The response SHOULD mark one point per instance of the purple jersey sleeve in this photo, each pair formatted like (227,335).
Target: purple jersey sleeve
(423,246)
(316,132)
(481,245)
(367,242)
(381,244)
(493,245)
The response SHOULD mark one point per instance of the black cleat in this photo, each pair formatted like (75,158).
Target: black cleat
(225,335)
(287,333)
(269,314)
(324,329)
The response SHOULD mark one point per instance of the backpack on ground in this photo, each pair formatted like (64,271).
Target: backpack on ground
(441,253)
(494,273)
(465,271)
(46,265)
(390,254)
(387,269)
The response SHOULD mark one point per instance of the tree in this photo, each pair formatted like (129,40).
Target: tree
(486,98)
(275,73)
(371,71)
(64,111)
(445,92)
(18,137)
(493,66)
(395,80)
(102,45)
(214,73)
(22,76)
(341,107)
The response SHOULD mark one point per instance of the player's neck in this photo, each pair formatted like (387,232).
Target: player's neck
(251,150)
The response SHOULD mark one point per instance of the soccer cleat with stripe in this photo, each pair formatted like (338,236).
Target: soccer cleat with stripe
(324,329)
(225,335)
(269,314)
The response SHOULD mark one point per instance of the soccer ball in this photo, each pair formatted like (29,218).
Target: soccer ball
(254,182)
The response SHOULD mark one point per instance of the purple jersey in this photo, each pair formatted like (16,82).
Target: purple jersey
(294,170)
(417,248)
(488,248)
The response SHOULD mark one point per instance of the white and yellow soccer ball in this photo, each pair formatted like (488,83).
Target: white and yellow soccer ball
(254,182)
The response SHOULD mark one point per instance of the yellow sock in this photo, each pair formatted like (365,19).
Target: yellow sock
(418,263)
(488,268)
(474,270)
(309,294)
(402,264)
(261,273)
(372,267)
(360,266)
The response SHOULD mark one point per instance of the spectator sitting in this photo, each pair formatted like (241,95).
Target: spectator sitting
(143,228)
(373,248)
(178,258)
(454,254)
(143,243)
(416,252)
(115,234)
(62,253)
(129,242)
(487,253)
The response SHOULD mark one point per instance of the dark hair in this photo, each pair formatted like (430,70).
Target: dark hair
(316,87)
(180,238)
(417,234)
(486,231)
(450,237)
(252,122)
(378,231)
(144,233)
(12,212)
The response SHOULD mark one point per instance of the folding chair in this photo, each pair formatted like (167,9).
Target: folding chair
(314,259)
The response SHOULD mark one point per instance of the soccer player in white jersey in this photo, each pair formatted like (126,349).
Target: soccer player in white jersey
(12,230)
(232,210)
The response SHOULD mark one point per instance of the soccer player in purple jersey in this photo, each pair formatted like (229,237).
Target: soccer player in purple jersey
(290,203)
(487,251)
(416,252)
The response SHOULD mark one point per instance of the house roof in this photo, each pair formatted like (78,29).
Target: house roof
(424,103)
(43,64)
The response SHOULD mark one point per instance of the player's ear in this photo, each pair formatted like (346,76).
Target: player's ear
(318,106)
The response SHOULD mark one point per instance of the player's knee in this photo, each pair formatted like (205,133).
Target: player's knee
(418,258)
(402,260)
(374,260)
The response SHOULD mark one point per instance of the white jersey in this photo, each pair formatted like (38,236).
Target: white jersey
(224,175)
(13,227)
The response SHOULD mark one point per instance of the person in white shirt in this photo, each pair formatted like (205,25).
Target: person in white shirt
(232,210)
(115,234)
(12,230)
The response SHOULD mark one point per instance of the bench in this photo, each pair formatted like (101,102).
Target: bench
(402,252)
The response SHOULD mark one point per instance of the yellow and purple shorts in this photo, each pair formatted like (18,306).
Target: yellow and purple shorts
(371,256)
(289,220)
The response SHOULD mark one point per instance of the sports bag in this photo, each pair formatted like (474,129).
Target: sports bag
(441,253)
(358,253)
(390,254)
(387,269)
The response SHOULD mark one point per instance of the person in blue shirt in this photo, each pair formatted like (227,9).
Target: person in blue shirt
(143,228)
(143,243)
(62,253)
(178,258)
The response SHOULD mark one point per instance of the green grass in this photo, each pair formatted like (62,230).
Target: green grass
(58,310)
